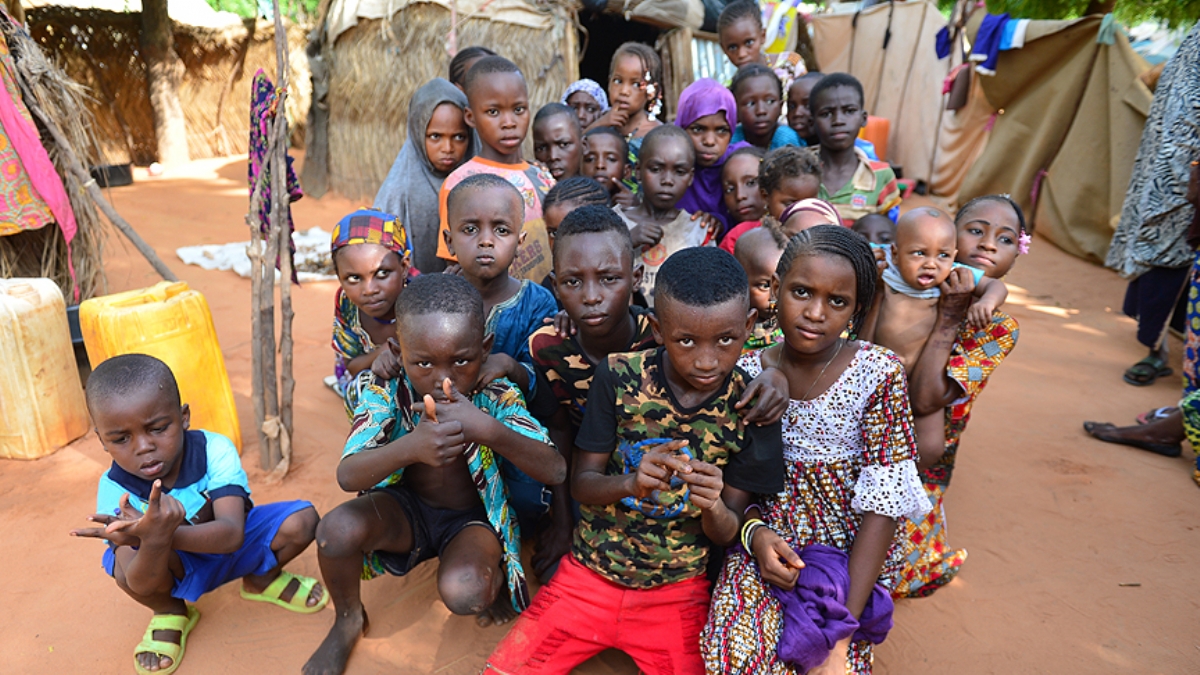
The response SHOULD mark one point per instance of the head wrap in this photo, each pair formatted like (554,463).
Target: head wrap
(367,226)
(411,188)
(702,98)
(589,87)
(812,206)
(705,97)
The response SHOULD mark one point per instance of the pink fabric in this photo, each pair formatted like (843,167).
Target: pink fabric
(731,237)
(24,137)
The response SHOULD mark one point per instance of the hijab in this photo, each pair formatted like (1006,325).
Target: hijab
(410,191)
(702,98)
(589,87)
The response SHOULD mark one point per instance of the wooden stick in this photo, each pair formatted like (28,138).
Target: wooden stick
(287,381)
(76,167)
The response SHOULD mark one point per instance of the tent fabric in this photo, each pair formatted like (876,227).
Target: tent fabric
(1064,140)
(961,140)
(344,14)
(902,82)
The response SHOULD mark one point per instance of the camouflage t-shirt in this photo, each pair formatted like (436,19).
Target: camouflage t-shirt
(569,371)
(660,540)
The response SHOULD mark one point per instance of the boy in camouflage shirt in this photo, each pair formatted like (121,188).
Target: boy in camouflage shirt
(664,466)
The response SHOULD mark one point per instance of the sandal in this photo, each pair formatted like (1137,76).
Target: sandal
(1156,414)
(299,601)
(175,622)
(1095,429)
(1145,372)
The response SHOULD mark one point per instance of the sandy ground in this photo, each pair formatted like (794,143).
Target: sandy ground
(1079,551)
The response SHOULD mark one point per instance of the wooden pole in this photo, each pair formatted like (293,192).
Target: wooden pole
(287,382)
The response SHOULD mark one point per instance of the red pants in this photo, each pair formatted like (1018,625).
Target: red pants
(580,614)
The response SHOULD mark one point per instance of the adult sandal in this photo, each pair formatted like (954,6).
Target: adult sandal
(299,602)
(1145,372)
(1156,414)
(1095,429)
(148,645)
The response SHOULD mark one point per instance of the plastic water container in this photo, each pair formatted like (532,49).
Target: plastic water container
(41,399)
(877,131)
(171,322)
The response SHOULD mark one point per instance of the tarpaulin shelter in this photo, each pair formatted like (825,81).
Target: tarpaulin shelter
(1065,114)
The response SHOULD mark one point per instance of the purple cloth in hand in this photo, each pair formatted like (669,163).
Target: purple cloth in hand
(815,617)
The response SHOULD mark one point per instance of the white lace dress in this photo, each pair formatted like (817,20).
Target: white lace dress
(849,450)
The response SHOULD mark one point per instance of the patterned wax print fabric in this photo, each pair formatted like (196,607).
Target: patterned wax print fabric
(21,208)
(631,407)
(569,370)
(350,341)
(872,189)
(263,99)
(764,334)
(210,469)
(929,561)
(1156,214)
(1190,404)
(533,259)
(369,226)
(849,450)
(385,414)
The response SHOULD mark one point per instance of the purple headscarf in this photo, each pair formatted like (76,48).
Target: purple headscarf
(702,98)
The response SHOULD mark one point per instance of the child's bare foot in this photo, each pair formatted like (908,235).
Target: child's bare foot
(330,658)
(500,613)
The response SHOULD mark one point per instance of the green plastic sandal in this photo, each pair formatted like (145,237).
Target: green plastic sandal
(298,603)
(176,622)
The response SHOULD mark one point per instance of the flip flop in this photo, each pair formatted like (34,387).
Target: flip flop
(1094,429)
(176,622)
(1145,372)
(299,600)
(1156,414)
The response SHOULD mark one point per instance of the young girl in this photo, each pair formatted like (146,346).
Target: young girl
(371,258)
(438,142)
(786,176)
(742,36)
(850,470)
(759,96)
(635,92)
(588,100)
(463,60)
(708,113)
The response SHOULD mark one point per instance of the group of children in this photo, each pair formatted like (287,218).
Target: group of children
(678,358)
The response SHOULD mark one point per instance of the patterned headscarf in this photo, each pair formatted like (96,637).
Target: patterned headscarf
(589,87)
(367,226)
(819,206)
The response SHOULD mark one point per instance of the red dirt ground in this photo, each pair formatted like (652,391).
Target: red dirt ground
(1055,522)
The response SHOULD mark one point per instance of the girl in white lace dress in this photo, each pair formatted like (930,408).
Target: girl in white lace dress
(849,451)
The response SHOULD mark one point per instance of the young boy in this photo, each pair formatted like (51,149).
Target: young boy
(658,228)
(175,510)
(850,181)
(423,454)
(484,212)
(606,160)
(758,252)
(498,111)
(664,465)
(558,140)
(799,117)
(876,229)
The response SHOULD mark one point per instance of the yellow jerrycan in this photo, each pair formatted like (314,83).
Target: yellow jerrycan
(41,399)
(171,322)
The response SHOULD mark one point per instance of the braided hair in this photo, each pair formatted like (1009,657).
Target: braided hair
(458,64)
(751,71)
(651,69)
(738,10)
(842,242)
(576,190)
(999,199)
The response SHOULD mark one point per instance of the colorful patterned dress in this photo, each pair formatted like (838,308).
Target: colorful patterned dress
(1190,404)
(929,562)
(350,340)
(848,450)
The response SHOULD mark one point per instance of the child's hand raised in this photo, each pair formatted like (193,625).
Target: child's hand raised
(705,483)
(624,196)
(770,389)
(454,407)
(563,325)
(711,225)
(164,514)
(646,235)
(387,363)
(778,563)
(495,367)
(444,441)
(657,466)
(980,314)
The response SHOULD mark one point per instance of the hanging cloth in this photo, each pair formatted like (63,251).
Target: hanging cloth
(263,102)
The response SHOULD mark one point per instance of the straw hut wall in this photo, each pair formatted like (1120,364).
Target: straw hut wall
(100,50)
(374,68)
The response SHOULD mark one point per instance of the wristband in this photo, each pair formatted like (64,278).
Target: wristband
(752,506)
(748,529)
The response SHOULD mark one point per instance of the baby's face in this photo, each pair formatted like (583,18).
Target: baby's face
(924,252)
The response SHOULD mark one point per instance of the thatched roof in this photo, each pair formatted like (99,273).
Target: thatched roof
(345,14)
(183,12)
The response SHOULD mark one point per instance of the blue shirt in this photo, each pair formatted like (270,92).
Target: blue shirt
(784,135)
(515,320)
(210,469)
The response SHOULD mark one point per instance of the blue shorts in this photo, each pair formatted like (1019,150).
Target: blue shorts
(204,572)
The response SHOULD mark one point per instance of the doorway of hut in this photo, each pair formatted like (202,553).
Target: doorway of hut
(602,34)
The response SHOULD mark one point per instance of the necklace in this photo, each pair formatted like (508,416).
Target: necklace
(383,321)
(822,373)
